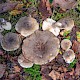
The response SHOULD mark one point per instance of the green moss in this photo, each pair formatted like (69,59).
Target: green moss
(72,65)
(34,72)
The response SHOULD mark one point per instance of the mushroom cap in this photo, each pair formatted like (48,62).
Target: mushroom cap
(11,41)
(55,31)
(66,44)
(7,26)
(41,47)
(25,63)
(26,26)
(47,24)
(69,56)
(67,23)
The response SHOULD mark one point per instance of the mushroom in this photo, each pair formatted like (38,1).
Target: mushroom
(69,56)
(4,24)
(48,24)
(11,41)
(25,63)
(41,47)
(7,26)
(66,44)
(66,23)
(26,26)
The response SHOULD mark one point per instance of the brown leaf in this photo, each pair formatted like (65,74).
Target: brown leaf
(4,7)
(17,69)
(2,69)
(64,4)
(72,72)
(54,75)
(77,70)
(76,46)
(44,8)
(73,34)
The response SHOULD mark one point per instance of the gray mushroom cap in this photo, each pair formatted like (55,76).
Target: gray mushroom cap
(66,44)
(67,23)
(25,63)
(69,56)
(41,47)
(26,26)
(11,41)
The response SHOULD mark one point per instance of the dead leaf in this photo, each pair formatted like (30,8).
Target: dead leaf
(15,12)
(78,36)
(54,75)
(72,72)
(77,70)
(17,69)
(73,34)
(2,69)
(76,46)
(64,4)
(1,52)
(44,8)
(4,7)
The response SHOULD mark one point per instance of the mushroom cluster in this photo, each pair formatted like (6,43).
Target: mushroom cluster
(68,54)
(39,47)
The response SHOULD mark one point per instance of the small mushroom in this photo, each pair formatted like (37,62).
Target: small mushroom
(26,26)
(25,63)
(66,44)
(48,24)
(41,47)
(66,23)
(11,41)
(7,26)
(69,56)
(4,24)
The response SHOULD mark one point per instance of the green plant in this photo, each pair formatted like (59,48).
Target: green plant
(72,65)
(50,1)
(34,72)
